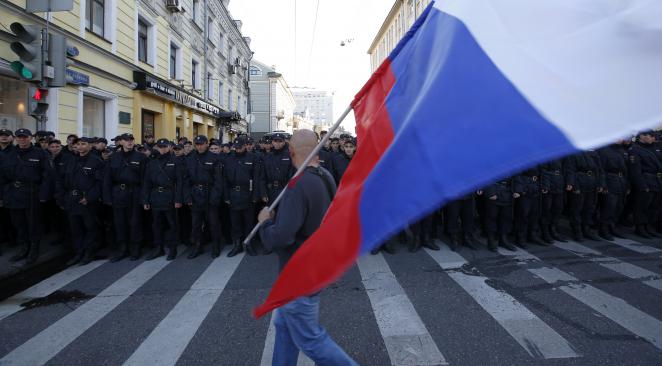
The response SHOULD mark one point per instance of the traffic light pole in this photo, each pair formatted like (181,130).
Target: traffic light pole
(42,120)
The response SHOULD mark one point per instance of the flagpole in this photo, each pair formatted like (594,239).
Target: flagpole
(303,166)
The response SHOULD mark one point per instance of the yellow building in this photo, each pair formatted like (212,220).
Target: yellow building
(400,18)
(141,66)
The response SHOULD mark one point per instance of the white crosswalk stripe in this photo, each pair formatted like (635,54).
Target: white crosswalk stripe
(268,352)
(636,246)
(166,343)
(626,269)
(42,347)
(534,335)
(407,340)
(46,287)
(614,308)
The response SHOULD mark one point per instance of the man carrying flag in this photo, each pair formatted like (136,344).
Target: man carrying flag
(299,215)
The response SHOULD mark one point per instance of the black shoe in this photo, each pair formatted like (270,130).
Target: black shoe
(577,235)
(135,251)
(172,254)
(588,233)
(469,242)
(554,234)
(236,248)
(503,242)
(533,239)
(416,244)
(604,233)
(545,236)
(652,232)
(158,252)
(519,241)
(215,250)
(388,248)
(87,258)
(430,244)
(641,232)
(491,243)
(22,254)
(250,250)
(454,241)
(121,253)
(77,258)
(33,254)
(615,232)
(196,250)
(375,251)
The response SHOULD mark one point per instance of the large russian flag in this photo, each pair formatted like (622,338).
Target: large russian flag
(475,91)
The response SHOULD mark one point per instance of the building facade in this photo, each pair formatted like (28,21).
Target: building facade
(315,104)
(171,68)
(400,18)
(272,102)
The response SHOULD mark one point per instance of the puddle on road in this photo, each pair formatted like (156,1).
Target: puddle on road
(57,297)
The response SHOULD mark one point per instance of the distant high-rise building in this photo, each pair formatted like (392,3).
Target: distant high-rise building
(316,104)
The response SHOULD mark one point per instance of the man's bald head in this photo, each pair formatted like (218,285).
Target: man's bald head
(302,143)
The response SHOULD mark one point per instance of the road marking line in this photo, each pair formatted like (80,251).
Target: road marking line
(268,352)
(45,345)
(533,334)
(612,307)
(647,277)
(407,340)
(46,287)
(635,246)
(167,342)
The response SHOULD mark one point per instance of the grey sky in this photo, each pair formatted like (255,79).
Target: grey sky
(343,70)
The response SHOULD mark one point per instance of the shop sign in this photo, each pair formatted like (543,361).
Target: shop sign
(77,78)
(149,83)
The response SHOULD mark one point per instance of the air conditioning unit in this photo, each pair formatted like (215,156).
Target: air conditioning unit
(173,6)
(232,69)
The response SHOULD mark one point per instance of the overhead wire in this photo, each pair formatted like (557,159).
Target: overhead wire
(312,41)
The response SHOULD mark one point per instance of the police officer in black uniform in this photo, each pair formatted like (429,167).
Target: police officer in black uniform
(552,187)
(527,207)
(6,230)
(499,199)
(278,168)
(203,193)
(341,160)
(243,186)
(122,190)
(584,180)
(614,159)
(78,191)
(25,180)
(646,178)
(460,217)
(163,194)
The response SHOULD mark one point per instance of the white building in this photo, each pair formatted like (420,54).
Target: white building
(317,104)
(272,102)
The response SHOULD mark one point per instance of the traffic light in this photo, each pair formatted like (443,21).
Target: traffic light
(28,49)
(37,104)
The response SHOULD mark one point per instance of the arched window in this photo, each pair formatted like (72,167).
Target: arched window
(255,71)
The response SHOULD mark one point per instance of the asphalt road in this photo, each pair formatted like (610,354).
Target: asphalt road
(596,303)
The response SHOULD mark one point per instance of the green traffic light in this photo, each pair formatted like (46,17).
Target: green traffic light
(20,69)
(26,73)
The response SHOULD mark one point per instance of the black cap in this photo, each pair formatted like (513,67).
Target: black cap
(89,140)
(55,141)
(201,139)
(345,136)
(278,136)
(163,143)
(22,132)
(239,142)
(333,139)
(6,132)
(102,139)
(125,137)
(351,141)
(647,132)
(178,147)
(216,143)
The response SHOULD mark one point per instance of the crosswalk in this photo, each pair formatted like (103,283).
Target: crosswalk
(592,303)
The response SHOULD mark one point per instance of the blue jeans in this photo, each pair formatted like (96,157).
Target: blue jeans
(297,328)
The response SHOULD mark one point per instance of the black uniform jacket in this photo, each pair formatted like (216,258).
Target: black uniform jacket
(81,177)
(164,182)
(25,177)
(243,183)
(203,180)
(123,178)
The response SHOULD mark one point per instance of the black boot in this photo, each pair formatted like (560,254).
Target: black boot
(158,252)
(615,232)
(33,254)
(135,251)
(376,250)
(25,250)
(503,242)
(172,253)
(388,247)
(577,234)
(215,250)
(533,239)
(469,242)
(652,232)
(454,241)
(604,233)
(77,258)
(641,232)
(196,250)
(588,233)
(546,237)
(491,242)
(416,244)
(88,257)
(519,241)
(121,253)
(250,250)
(236,248)
(554,233)
(430,244)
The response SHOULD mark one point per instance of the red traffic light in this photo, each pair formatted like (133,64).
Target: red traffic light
(40,94)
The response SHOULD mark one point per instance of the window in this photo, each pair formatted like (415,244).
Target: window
(210,28)
(94,16)
(220,41)
(230,100)
(94,116)
(255,71)
(210,87)
(195,11)
(239,103)
(174,62)
(194,74)
(411,11)
(142,40)
(220,93)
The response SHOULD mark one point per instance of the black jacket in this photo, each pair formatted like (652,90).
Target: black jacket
(164,182)
(25,177)
(123,178)
(81,177)
(203,180)
(645,168)
(278,170)
(243,183)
